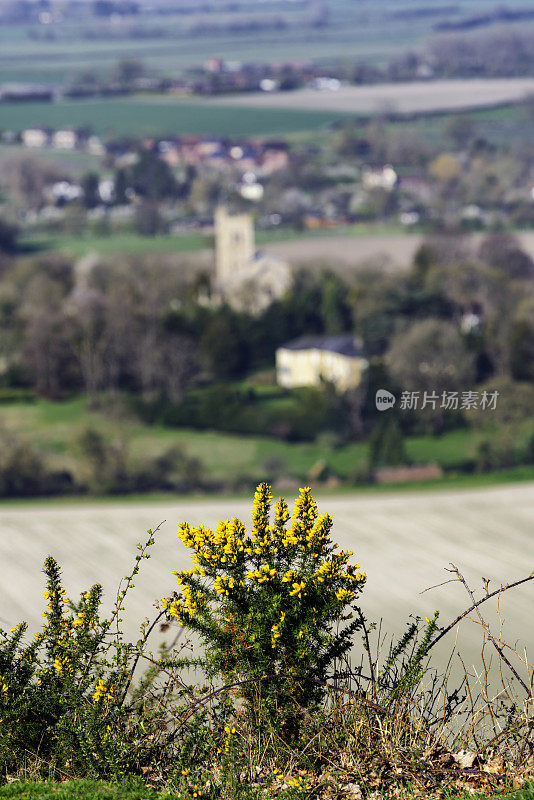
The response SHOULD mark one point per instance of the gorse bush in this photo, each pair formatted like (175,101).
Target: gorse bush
(62,695)
(270,604)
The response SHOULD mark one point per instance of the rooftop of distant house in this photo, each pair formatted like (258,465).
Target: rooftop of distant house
(344,345)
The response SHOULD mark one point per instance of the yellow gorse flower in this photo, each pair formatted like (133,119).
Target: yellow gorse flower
(297,589)
(102,691)
(274,584)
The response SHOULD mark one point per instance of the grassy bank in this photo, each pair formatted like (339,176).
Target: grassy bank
(54,428)
(100,790)
(82,790)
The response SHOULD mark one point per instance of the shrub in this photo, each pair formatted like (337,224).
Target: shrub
(64,701)
(25,473)
(269,605)
(52,699)
(386,445)
(8,235)
(112,470)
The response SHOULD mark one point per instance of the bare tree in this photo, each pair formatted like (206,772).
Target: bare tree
(27,178)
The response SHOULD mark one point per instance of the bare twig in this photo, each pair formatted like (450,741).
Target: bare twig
(368,649)
(487,630)
(475,605)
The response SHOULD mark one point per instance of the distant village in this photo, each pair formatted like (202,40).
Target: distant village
(214,152)
(348,181)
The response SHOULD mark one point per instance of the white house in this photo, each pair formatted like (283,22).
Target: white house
(34,137)
(385,178)
(310,359)
(65,139)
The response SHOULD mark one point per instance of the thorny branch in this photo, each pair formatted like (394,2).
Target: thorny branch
(475,605)
(487,630)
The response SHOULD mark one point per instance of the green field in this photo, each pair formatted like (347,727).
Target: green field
(75,163)
(129,242)
(116,243)
(81,790)
(506,127)
(138,116)
(99,790)
(163,115)
(54,427)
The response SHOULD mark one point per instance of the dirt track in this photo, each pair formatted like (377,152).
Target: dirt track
(403,542)
(411,97)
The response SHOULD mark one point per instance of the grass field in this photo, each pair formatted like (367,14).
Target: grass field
(81,790)
(364,239)
(506,127)
(344,250)
(74,163)
(234,460)
(137,116)
(54,428)
(116,243)
(281,115)
(168,45)
(99,790)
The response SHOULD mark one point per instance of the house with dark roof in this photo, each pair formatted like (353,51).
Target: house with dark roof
(308,360)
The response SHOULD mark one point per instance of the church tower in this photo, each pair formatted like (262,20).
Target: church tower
(234,243)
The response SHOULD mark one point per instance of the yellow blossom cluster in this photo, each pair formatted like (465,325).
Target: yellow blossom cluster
(275,635)
(262,575)
(183,611)
(51,596)
(222,585)
(80,619)
(102,691)
(263,498)
(225,544)
(331,570)
(345,595)
(297,589)
(236,562)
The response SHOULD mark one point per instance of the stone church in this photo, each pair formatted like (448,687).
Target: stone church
(246,279)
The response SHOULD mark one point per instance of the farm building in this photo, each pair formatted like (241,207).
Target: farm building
(26,92)
(308,360)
